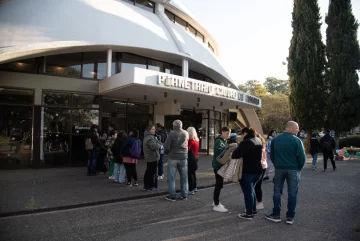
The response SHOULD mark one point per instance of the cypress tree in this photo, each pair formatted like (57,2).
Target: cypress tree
(343,57)
(306,63)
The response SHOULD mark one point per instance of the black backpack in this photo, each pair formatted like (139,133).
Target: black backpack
(327,146)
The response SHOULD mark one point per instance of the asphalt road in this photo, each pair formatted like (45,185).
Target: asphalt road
(328,209)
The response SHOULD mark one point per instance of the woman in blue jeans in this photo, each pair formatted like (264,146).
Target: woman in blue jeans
(250,150)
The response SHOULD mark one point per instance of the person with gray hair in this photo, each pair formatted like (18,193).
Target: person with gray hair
(288,156)
(176,146)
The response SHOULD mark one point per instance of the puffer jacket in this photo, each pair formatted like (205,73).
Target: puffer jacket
(151,147)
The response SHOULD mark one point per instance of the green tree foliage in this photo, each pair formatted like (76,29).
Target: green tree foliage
(275,112)
(306,63)
(253,87)
(277,86)
(343,56)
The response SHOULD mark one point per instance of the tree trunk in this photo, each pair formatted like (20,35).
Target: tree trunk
(337,140)
(308,139)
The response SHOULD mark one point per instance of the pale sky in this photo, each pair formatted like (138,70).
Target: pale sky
(253,35)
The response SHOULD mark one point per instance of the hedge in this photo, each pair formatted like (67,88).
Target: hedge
(350,141)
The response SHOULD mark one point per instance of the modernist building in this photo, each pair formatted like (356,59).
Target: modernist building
(67,64)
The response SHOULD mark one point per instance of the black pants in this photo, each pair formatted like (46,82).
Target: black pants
(327,155)
(130,172)
(150,177)
(192,180)
(258,191)
(218,186)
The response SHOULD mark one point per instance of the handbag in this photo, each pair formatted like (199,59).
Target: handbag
(226,157)
(227,171)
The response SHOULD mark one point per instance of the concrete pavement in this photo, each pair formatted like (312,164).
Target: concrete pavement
(328,209)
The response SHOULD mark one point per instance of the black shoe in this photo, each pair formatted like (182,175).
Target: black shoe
(169,198)
(273,217)
(246,216)
(254,213)
(324,170)
(334,169)
(266,178)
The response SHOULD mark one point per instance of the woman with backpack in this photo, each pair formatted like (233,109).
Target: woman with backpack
(151,147)
(130,152)
(119,169)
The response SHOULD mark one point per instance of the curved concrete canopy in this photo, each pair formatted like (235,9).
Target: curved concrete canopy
(72,25)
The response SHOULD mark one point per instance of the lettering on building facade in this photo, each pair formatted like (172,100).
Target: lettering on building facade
(204,87)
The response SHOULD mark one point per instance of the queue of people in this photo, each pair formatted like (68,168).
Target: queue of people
(254,157)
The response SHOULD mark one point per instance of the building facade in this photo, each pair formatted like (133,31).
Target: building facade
(68,64)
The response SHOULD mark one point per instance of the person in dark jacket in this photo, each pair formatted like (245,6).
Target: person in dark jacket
(314,149)
(119,169)
(250,149)
(94,153)
(151,147)
(327,144)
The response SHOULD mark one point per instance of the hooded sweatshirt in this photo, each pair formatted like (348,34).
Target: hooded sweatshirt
(151,147)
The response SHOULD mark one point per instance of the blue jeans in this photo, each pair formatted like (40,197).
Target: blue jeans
(182,167)
(314,156)
(247,183)
(161,165)
(119,172)
(92,157)
(292,178)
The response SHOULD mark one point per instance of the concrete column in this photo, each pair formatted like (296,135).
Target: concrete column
(159,8)
(108,62)
(185,68)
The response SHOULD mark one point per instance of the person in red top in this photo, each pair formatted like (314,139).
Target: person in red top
(193,157)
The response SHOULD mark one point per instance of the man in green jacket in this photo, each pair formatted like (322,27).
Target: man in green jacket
(288,157)
(219,147)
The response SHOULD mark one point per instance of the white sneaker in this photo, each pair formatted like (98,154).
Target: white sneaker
(259,205)
(213,204)
(111,177)
(220,208)
(161,177)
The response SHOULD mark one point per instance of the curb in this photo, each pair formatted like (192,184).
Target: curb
(98,203)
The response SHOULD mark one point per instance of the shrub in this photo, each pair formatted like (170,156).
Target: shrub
(350,141)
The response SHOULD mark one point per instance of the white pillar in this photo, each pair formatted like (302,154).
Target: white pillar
(108,62)
(185,68)
(159,8)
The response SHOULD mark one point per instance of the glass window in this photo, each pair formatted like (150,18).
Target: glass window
(56,136)
(180,21)
(68,65)
(26,66)
(85,101)
(170,15)
(210,47)
(200,36)
(196,75)
(94,65)
(16,96)
(217,115)
(155,65)
(145,4)
(167,68)
(192,30)
(15,136)
(130,1)
(129,61)
(177,70)
(207,79)
(56,99)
